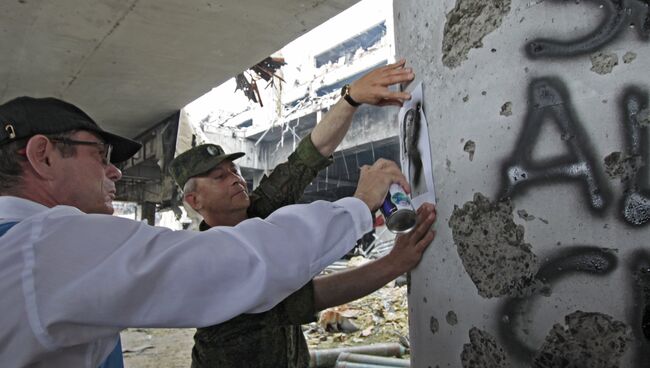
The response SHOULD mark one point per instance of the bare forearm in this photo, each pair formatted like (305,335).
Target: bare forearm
(345,286)
(407,252)
(329,133)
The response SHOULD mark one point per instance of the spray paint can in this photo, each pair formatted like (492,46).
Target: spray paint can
(398,210)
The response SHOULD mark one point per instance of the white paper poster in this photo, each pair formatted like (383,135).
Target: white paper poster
(415,152)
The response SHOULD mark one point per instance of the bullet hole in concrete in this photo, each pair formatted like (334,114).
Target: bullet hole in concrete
(492,249)
(603,63)
(643,117)
(629,57)
(523,214)
(506,109)
(425,300)
(623,167)
(470,147)
(448,165)
(466,98)
(587,340)
(493,50)
(484,93)
(483,351)
(543,220)
(452,318)
(434,326)
(467,24)
(567,136)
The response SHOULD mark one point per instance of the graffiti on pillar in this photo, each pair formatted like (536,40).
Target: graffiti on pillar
(592,261)
(619,15)
(636,200)
(492,247)
(549,100)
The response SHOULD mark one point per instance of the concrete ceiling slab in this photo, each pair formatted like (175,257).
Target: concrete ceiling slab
(130,64)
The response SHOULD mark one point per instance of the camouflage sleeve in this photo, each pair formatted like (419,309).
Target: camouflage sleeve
(288,180)
(298,308)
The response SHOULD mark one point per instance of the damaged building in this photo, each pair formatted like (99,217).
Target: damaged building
(267,118)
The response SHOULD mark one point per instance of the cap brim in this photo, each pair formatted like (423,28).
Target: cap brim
(123,148)
(233,156)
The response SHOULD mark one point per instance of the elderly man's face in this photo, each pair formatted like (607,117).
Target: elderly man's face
(86,180)
(222,191)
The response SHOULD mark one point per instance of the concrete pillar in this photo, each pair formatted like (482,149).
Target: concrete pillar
(538,121)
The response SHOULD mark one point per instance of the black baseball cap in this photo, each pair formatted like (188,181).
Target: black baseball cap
(24,117)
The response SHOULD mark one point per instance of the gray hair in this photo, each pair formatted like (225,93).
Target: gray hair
(11,163)
(190,186)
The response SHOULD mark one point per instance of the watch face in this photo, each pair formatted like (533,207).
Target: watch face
(344,90)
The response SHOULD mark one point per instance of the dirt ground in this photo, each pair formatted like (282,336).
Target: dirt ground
(378,317)
(157,348)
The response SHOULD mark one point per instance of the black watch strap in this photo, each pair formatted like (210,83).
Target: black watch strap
(345,92)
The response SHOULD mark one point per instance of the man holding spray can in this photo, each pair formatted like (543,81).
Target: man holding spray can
(213,186)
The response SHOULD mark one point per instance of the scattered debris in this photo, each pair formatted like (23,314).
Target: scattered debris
(265,69)
(380,317)
(338,319)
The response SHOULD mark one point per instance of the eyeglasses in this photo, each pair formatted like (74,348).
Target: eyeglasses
(105,149)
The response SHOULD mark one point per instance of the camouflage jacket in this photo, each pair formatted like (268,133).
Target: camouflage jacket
(273,338)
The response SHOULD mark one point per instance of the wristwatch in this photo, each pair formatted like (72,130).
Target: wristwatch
(345,92)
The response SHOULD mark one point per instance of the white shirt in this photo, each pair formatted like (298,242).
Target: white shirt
(71,281)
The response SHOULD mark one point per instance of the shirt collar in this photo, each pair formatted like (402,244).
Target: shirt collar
(15,208)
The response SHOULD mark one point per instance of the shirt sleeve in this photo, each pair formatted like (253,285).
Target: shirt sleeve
(90,276)
(287,183)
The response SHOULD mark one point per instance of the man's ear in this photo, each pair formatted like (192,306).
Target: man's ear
(39,152)
(192,200)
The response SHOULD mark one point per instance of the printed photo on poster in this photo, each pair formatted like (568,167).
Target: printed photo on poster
(415,152)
